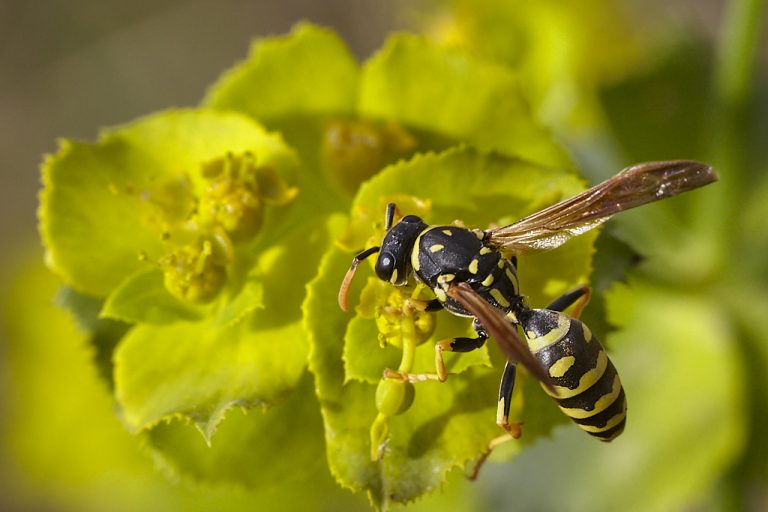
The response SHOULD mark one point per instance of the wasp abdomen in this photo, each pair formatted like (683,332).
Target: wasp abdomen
(586,384)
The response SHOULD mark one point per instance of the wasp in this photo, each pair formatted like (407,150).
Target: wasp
(473,273)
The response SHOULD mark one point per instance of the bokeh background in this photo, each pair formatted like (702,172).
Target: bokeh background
(70,67)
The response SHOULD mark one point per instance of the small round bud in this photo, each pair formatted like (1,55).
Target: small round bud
(394,397)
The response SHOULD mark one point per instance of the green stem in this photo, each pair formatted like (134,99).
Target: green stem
(734,83)
(738,51)
(733,87)
(408,333)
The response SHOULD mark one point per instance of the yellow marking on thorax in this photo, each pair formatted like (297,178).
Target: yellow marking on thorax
(601,404)
(587,333)
(415,253)
(393,279)
(485,250)
(500,263)
(446,278)
(440,294)
(436,247)
(448,232)
(479,234)
(550,338)
(488,280)
(502,301)
(512,277)
(511,316)
(561,366)
(585,382)
(474,266)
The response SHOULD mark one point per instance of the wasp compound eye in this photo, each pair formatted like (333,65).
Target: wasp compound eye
(385,265)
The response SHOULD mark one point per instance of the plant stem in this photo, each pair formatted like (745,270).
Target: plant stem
(408,332)
(734,83)
(728,135)
(738,50)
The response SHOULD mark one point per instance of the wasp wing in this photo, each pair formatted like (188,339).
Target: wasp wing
(632,187)
(503,331)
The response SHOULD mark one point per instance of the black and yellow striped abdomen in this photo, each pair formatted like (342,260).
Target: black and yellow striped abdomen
(587,386)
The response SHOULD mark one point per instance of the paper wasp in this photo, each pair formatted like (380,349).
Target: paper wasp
(473,273)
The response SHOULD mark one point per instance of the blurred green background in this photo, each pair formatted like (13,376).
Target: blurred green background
(617,81)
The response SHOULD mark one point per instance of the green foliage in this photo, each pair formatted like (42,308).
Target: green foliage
(404,79)
(563,52)
(218,225)
(68,446)
(200,252)
(322,78)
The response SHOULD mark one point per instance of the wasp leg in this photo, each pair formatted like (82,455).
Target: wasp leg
(505,398)
(415,305)
(434,305)
(513,430)
(580,295)
(448,345)
(458,345)
(504,438)
(424,305)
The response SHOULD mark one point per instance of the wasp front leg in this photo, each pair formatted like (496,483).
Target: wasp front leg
(415,304)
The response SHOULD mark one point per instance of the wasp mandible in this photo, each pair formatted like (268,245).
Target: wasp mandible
(473,273)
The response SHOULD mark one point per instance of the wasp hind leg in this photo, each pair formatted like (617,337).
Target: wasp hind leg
(447,345)
(505,398)
(512,430)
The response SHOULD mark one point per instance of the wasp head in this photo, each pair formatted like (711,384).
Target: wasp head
(393,262)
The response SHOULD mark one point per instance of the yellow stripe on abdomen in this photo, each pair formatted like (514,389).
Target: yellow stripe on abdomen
(615,420)
(537,343)
(601,403)
(585,382)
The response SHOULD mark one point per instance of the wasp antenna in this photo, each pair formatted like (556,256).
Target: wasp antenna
(389,216)
(347,282)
